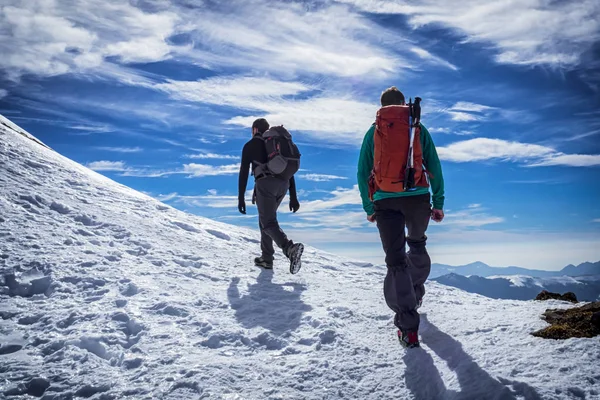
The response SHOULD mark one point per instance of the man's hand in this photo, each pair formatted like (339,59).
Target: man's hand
(437,215)
(294,204)
(371,218)
(242,205)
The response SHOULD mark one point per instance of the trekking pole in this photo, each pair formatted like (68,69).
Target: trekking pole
(414,120)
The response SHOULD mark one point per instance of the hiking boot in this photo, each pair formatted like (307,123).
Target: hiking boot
(261,262)
(408,340)
(294,251)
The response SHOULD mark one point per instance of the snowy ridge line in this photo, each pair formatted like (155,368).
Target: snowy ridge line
(148,302)
(14,127)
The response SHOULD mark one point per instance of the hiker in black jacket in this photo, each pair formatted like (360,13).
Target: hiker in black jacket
(269,192)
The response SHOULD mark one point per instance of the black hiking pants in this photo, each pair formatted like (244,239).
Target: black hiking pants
(270,192)
(406,273)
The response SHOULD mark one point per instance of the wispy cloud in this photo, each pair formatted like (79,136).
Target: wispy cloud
(199,170)
(481,149)
(89,129)
(241,92)
(338,198)
(464,117)
(571,160)
(76,40)
(596,220)
(339,116)
(120,149)
(425,55)
(474,216)
(519,30)
(464,111)
(299,40)
(321,177)
(3,93)
(534,155)
(107,166)
(470,107)
(191,170)
(212,156)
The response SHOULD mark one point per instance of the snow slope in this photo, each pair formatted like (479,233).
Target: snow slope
(109,294)
(519,287)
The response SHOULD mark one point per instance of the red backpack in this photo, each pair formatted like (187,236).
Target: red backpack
(398,158)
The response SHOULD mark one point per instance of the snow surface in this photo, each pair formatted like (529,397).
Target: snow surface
(110,294)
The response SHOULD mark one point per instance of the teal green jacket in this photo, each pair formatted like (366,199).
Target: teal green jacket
(430,160)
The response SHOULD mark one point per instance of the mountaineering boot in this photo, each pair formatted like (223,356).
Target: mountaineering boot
(261,262)
(294,251)
(408,340)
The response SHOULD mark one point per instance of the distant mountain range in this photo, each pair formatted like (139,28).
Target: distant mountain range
(520,287)
(484,270)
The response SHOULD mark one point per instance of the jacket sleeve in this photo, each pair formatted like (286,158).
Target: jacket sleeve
(365,166)
(244,172)
(293,188)
(434,167)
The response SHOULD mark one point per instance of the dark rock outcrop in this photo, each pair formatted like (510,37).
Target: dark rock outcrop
(573,322)
(546,295)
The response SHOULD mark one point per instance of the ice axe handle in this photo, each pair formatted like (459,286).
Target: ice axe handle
(417,110)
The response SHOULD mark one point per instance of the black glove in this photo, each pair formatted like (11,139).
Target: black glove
(242,205)
(294,204)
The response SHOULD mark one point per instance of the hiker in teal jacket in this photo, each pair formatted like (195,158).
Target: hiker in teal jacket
(393,211)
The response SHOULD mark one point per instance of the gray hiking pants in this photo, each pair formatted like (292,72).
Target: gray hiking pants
(406,273)
(270,192)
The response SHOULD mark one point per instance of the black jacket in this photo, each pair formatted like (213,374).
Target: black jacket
(254,153)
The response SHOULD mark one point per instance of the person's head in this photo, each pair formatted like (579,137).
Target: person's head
(392,97)
(259,126)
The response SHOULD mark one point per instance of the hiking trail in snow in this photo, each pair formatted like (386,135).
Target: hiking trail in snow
(106,293)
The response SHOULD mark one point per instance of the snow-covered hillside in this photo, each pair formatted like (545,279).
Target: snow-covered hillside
(109,294)
(519,287)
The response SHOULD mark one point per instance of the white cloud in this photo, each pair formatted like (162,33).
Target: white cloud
(464,117)
(210,200)
(339,197)
(474,216)
(533,155)
(425,55)
(345,120)
(299,39)
(191,170)
(212,156)
(3,93)
(596,220)
(524,32)
(470,107)
(240,92)
(49,38)
(320,177)
(200,170)
(438,130)
(481,149)
(464,111)
(571,160)
(107,166)
(121,149)
(88,129)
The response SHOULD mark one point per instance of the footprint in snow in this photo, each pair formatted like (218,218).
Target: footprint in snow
(218,234)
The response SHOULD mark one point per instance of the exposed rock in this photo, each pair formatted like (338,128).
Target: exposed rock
(546,295)
(573,322)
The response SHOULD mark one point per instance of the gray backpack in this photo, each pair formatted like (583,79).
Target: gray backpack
(283,157)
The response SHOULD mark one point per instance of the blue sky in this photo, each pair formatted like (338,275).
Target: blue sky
(159,95)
